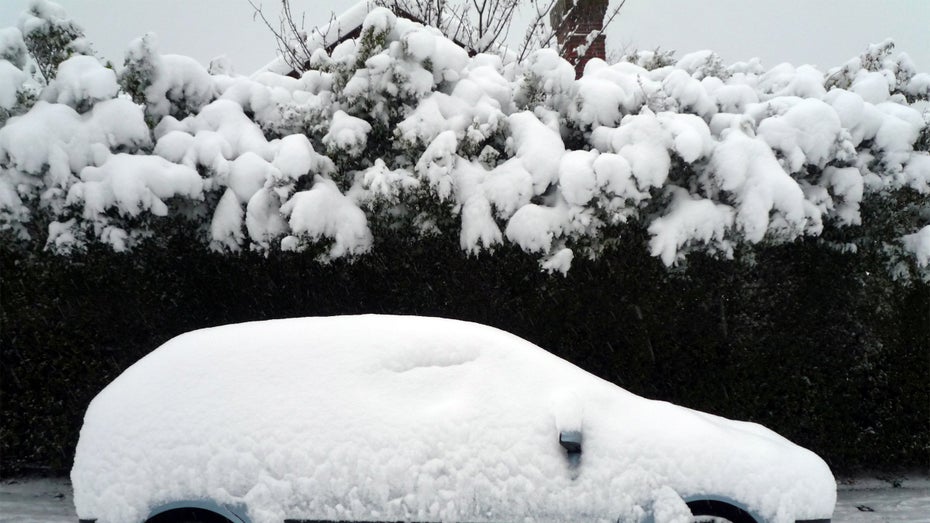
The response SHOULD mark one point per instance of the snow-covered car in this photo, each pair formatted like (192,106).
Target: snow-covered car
(401,418)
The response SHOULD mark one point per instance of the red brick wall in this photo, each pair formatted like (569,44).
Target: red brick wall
(574,20)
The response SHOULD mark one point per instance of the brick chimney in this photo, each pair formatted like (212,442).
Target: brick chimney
(573,21)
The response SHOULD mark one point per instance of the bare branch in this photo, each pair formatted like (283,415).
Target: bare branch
(300,36)
(281,40)
(480,25)
(538,24)
(610,18)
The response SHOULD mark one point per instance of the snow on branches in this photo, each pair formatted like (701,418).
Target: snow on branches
(402,133)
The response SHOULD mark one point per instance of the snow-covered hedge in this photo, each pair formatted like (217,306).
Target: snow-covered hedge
(402,133)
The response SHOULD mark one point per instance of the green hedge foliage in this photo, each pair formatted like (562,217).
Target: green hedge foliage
(808,342)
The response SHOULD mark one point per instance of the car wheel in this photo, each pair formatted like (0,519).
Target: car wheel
(188,515)
(711,511)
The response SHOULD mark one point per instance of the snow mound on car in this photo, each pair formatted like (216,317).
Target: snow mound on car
(386,418)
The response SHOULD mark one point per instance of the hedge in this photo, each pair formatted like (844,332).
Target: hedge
(802,339)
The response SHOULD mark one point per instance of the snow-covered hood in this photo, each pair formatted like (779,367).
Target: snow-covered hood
(406,418)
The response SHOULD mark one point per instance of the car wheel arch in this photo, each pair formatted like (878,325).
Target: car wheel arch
(201,510)
(722,507)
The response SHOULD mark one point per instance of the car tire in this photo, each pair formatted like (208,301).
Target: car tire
(191,515)
(712,511)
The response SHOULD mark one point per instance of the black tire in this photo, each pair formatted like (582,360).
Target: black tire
(719,509)
(188,515)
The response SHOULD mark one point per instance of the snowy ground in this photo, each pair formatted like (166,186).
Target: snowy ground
(860,501)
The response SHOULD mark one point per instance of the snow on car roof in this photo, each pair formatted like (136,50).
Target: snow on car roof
(411,418)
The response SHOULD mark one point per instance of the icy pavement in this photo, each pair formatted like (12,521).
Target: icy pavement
(48,500)
(883,501)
